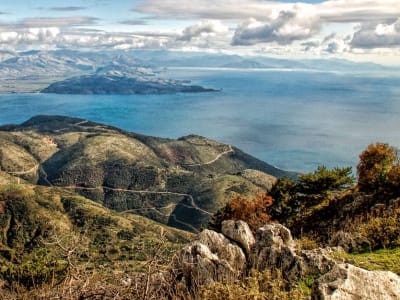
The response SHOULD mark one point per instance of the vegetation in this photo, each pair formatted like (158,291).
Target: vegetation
(292,198)
(324,208)
(257,286)
(113,167)
(379,170)
(51,239)
(380,260)
(253,211)
(59,243)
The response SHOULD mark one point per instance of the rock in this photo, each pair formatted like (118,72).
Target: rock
(348,282)
(211,257)
(274,249)
(239,232)
(317,261)
(221,257)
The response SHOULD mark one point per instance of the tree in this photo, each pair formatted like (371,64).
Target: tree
(323,180)
(375,164)
(291,197)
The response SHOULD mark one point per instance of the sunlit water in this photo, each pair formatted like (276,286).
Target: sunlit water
(295,120)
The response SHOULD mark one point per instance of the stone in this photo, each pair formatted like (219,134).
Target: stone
(225,258)
(239,232)
(210,258)
(348,282)
(275,249)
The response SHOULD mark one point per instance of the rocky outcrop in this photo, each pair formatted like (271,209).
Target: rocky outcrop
(348,282)
(227,256)
(211,257)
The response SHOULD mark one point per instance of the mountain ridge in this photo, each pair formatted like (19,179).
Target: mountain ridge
(175,182)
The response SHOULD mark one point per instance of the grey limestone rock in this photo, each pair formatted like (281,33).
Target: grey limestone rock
(211,257)
(348,282)
(239,232)
(215,257)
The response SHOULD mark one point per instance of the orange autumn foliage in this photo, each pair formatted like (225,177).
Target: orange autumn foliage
(378,169)
(254,211)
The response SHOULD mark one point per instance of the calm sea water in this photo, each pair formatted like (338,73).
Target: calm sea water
(295,120)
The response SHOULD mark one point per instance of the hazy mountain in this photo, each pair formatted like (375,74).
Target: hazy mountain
(33,71)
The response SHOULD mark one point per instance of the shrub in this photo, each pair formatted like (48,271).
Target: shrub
(382,232)
(253,211)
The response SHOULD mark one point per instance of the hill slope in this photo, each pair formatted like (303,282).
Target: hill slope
(49,232)
(176,182)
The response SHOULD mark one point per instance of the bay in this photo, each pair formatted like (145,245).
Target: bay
(293,119)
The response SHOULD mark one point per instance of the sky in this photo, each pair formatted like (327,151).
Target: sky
(360,30)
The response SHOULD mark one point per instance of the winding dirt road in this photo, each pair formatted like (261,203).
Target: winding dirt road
(230,150)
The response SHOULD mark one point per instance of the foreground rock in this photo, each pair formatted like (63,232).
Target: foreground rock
(346,281)
(227,256)
(211,257)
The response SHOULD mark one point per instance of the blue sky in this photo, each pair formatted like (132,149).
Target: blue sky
(367,30)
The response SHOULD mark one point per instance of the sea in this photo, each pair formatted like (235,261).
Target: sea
(295,120)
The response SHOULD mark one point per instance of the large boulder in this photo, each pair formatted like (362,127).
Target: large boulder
(239,232)
(275,249)
(211,257)
(348,282)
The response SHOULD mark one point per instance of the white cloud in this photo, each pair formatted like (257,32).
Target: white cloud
(371,36)
(31,35)
(207,9)
(346,11)
(286,27)
(278,22)
(328,11)
(276,28)
(203,29)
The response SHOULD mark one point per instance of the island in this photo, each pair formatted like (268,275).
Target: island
(121,84)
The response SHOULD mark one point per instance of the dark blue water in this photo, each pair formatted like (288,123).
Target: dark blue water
(295,120)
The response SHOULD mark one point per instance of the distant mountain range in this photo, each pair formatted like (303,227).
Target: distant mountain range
(33,71)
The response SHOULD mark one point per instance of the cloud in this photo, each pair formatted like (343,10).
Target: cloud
(110,41)
(354,11)
(382,35)
(204,29)
(208,9)
(134,22)
(287,27)
(308,46)
(29,36)
(67,8)
(341,11)
(57,22)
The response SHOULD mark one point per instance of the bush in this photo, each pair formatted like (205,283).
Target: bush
(253,211)
(382,232)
